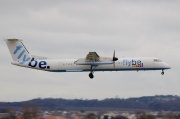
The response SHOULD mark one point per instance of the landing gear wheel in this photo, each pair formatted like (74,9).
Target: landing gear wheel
(91,75)
(162,72)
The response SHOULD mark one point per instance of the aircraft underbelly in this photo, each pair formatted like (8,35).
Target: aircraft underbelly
(85,68)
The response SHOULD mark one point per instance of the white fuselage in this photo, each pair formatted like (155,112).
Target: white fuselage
(123,64)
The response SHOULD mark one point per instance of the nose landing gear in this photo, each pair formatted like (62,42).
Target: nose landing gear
(91,75)
(162,72)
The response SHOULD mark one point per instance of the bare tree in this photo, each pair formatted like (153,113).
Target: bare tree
(30,111)
(91,116)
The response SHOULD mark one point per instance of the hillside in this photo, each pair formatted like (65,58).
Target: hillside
(159,102)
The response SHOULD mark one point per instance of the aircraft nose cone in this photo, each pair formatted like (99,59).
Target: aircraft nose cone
(167,66)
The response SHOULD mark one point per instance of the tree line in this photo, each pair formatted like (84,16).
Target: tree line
(158,102)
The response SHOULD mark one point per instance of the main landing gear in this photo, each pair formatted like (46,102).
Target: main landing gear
(91,73)
(162,72)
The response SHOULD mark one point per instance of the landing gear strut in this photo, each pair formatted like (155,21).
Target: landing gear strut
(91,73)
(162,72)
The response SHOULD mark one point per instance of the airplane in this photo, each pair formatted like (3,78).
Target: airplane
(91,63)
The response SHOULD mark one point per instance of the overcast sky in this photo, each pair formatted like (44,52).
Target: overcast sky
(70,29)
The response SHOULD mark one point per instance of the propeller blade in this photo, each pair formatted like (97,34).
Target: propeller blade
(114,54)
(114,58)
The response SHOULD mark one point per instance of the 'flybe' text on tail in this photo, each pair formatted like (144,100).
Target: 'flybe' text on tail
(18,51)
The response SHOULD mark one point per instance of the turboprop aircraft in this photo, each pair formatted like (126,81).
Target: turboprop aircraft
(91,63)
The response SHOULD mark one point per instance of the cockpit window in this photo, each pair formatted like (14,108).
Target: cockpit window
(157,60)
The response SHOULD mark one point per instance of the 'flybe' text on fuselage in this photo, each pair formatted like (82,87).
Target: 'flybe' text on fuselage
(133,63)
(41,64)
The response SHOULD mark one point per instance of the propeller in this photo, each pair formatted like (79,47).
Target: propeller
(114,59)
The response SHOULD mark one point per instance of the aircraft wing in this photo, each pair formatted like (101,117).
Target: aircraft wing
(92,59)
(92,56)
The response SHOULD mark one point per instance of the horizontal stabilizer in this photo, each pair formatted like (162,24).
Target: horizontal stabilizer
(13,39)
